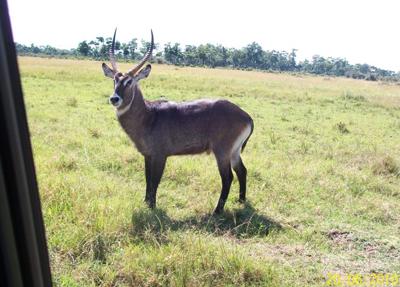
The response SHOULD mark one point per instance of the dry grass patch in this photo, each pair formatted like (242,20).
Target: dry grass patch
(386,165)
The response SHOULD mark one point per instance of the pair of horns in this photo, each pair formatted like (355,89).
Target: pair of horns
(134,70)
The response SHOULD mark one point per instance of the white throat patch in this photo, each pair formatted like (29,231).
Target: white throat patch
(122,111)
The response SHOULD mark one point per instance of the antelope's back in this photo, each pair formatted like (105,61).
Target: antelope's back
(197,126)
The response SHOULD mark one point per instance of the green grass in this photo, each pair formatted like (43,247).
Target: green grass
(323,181)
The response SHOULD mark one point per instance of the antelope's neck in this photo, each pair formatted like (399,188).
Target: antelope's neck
(133,120)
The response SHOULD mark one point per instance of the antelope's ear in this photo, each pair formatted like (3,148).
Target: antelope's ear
(144,73)
(108,72)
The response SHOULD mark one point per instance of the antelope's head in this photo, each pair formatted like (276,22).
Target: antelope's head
(125,83)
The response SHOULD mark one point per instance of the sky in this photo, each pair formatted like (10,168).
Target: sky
(362,31)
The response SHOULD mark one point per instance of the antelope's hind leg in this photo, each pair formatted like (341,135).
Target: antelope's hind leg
(225,171)
(237,163)
(241,172)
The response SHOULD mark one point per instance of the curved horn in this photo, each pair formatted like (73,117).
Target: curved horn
(111,53)
(146,57)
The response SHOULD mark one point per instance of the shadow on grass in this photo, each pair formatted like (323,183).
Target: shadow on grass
(242,222)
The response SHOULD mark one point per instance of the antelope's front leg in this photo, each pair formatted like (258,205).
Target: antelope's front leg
(147,166)
(154,170)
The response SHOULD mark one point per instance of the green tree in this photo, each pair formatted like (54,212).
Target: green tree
(173,54)
(132,47)
(83,48)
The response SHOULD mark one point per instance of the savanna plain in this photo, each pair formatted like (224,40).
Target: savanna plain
(323,181)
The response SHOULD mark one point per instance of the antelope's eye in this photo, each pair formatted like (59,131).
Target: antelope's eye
(127,82)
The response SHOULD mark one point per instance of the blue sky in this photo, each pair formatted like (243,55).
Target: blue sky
(361,31)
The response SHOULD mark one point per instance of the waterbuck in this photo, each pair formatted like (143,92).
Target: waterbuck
(162,128)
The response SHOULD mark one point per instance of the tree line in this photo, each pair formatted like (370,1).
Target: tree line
(252,56)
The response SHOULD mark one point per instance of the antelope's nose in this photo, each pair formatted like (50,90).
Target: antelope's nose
(114,100)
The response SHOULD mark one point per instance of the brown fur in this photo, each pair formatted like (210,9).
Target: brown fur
(161,128)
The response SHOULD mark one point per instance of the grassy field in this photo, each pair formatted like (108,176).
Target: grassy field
(323,182)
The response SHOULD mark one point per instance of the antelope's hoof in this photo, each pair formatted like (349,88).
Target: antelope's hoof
(150,204)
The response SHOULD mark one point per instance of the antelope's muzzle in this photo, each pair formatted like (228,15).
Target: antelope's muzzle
(115,100)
